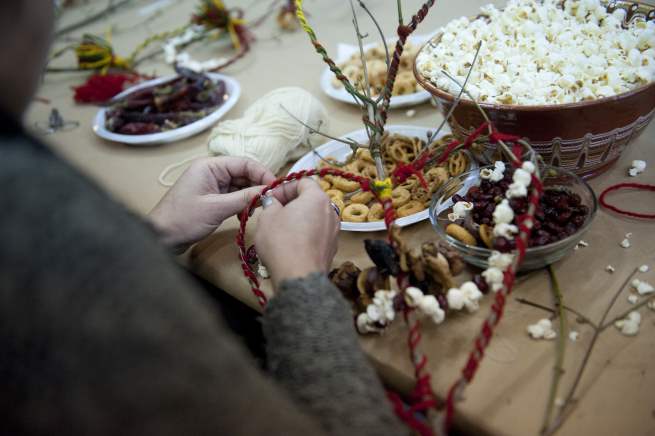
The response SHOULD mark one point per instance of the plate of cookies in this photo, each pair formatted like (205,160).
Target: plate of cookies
(360,211)
(406,91)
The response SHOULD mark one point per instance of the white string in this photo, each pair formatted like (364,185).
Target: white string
(162,176)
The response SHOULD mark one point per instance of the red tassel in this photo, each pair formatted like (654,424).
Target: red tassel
(99,88)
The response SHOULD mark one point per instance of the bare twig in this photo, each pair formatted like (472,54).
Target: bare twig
(627,312)
(581,318)
(459,96)
(377,26)
(400,12)
(112,5)
(348,141)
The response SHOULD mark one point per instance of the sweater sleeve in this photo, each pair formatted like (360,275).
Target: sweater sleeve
(313,351)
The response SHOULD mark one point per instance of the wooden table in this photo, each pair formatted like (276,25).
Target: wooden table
(508,396)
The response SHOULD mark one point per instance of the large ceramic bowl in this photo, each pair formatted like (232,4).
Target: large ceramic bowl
(585,138)
(535,257)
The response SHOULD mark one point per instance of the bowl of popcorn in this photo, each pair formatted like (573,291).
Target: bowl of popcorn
(476,214)
(575,78)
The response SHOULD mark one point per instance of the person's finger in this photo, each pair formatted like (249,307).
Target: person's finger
(286,192)
(234,202)
(248,169)
(271,209)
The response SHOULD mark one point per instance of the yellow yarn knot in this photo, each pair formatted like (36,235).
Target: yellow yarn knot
(96,53)
(383,188)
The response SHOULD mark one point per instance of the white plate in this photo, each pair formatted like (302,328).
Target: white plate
(344,51)
(232,91)
(341,151)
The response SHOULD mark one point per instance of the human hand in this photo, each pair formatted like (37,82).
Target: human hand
(210,190)
(301,237)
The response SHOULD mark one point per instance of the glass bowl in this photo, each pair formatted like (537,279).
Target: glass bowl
(535,257)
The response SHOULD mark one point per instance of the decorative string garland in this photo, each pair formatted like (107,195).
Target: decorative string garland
(423,397)
(619,186)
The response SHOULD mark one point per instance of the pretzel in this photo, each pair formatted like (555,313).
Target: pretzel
(334,193)
(457,164)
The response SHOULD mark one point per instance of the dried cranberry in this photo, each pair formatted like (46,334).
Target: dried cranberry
(485,220)
(501,244)
(457,198)
(578,220)
(574,199)
(564,217)
(443,302)
(570,228)
(481,283)
(541,240)
(562,203)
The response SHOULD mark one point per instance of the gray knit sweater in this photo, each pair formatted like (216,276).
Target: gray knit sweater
(102,334)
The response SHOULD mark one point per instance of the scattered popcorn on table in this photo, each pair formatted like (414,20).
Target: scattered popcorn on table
(642,287)
(630,325)
(610,269)
(632,299)
(543,329)
(573,335)
(651,305)
(410,113)
(583,243)
(536,52)
(559,402)
(638,167)
(625,243)
(644,268)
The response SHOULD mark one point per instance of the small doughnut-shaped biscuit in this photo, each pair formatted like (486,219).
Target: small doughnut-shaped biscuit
(457,164)
(376,212)
(409,208)
(399,196)
(460,233)
(324,184)
(360,167)
(485,235)
(340,204)
(364,197)
(344,185)
(364,154)
(334,193)
(355,213)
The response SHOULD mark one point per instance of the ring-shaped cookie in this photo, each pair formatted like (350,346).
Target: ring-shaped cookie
(409,208)
(355,213)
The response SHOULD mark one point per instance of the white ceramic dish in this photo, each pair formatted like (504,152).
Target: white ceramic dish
(344,51)
(341,151)
(233,91)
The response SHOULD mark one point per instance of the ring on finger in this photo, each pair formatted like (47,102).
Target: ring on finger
(267,200)
(336,209)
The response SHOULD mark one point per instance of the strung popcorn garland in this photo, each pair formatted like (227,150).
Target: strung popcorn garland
(500,276)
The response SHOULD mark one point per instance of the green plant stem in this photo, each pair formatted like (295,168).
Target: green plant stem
(558,368)
(559,419)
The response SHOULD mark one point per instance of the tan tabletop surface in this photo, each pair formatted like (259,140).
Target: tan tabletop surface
(508,396)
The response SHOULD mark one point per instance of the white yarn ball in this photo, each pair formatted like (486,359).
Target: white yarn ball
(268,134)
